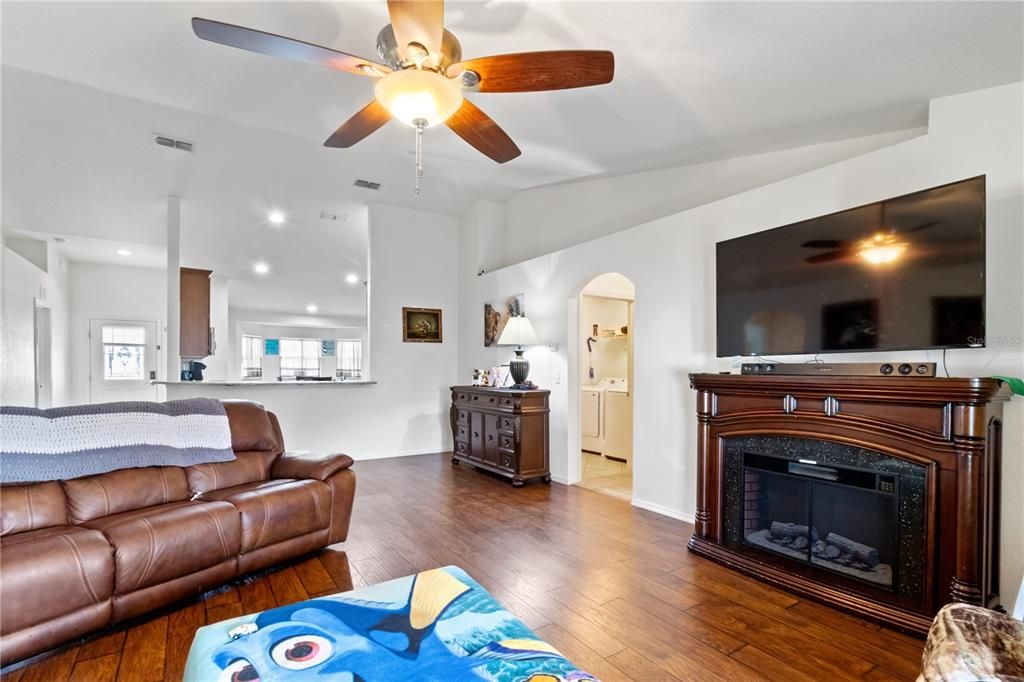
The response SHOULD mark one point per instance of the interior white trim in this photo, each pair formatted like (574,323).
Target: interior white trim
(663,510)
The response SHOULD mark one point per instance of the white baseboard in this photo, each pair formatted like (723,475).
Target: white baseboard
(559,479)
(404,453)
(663,510)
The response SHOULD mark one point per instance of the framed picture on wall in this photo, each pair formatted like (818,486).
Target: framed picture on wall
(496,314)
(421,325)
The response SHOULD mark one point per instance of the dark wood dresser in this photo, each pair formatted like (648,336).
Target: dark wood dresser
(504,431)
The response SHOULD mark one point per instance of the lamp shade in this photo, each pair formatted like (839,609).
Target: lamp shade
(518,332)
(412,94)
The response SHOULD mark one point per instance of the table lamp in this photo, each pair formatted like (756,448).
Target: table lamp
(518,332)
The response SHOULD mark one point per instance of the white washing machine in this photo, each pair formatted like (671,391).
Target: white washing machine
(592,418)
(618,420)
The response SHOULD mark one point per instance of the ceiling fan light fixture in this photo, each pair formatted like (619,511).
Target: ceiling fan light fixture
(882,249)
(415,94)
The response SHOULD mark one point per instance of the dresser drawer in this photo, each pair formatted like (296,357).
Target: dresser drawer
(507,460)
(506,424)
(508,402)
(506,442)
(483,400)
(462,432)
(461,416)
(462,448)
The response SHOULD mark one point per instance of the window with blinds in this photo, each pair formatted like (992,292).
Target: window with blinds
(350,358)
(300,357)
(252,356)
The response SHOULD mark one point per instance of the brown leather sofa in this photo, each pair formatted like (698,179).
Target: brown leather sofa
(78,555)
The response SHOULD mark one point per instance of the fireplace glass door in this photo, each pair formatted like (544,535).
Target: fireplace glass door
(841,519)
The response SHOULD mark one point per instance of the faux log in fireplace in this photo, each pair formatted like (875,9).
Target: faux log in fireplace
(878,495)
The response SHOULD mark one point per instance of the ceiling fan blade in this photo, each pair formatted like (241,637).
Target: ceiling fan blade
(825,244)
(418,21)
(285,48)
(537,71)
(477,128)
(829,257)
(369,118)
(925,226)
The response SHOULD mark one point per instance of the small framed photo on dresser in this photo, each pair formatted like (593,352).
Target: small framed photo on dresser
(421,325)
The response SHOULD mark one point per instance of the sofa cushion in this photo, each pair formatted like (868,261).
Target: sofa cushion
(50,572)
(31,506)
(273,511)
(251,428)
(92,497)
(157,544)
(256,440)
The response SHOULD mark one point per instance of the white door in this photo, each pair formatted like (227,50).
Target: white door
(122,360)
(43,353)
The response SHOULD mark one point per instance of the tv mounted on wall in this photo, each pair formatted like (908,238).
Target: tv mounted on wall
(906,273)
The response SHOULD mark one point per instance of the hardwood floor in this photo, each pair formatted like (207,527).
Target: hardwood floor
(611,586)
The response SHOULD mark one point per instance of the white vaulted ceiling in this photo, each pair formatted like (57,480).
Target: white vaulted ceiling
(694,82)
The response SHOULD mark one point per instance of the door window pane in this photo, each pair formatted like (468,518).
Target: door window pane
(124,353)
(128,335)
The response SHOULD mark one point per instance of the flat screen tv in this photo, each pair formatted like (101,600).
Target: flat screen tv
(906,273)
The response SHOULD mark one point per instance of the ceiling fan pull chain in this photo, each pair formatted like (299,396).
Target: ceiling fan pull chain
(420,124)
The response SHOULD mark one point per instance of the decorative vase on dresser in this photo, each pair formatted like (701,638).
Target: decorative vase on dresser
(504,431)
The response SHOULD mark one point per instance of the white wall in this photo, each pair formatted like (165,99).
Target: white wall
(413,262)
(22,283)
(113,292)
(545,219)
(671,262)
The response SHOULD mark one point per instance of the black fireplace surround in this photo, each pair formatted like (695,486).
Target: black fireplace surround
(821,506)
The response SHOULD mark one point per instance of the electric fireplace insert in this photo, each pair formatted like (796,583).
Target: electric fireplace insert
(831,507)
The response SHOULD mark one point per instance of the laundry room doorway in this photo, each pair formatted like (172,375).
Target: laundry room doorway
(605,385)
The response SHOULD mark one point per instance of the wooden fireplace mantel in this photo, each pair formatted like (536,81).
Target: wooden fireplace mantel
(951,426)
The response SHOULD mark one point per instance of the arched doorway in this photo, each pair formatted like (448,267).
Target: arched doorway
(605,385)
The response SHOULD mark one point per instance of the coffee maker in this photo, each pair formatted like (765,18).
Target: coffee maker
(194,372)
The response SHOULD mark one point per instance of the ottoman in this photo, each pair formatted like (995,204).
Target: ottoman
(435,625)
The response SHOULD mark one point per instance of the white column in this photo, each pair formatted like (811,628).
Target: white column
(173,287)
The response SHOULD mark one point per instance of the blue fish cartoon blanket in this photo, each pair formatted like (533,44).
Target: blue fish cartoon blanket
(435,625)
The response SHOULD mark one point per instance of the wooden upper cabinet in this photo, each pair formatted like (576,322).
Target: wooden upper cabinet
(195,313)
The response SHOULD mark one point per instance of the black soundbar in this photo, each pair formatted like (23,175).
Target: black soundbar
(858,369)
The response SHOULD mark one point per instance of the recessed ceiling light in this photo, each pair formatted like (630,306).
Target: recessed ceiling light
(124,252)
(310,308)
(261,268)
(276,217)
(351,278)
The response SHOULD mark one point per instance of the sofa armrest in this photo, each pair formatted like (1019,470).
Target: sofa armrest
(315,465)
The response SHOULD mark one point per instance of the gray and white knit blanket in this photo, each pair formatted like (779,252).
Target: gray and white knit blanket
(62,443)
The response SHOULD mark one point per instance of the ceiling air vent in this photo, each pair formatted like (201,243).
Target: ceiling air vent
(173,144)
(366,184)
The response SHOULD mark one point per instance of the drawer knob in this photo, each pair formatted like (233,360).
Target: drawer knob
(490,439)
(831,406)
(789,404)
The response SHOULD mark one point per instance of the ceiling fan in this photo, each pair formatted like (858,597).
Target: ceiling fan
(885,246)
(423,78)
